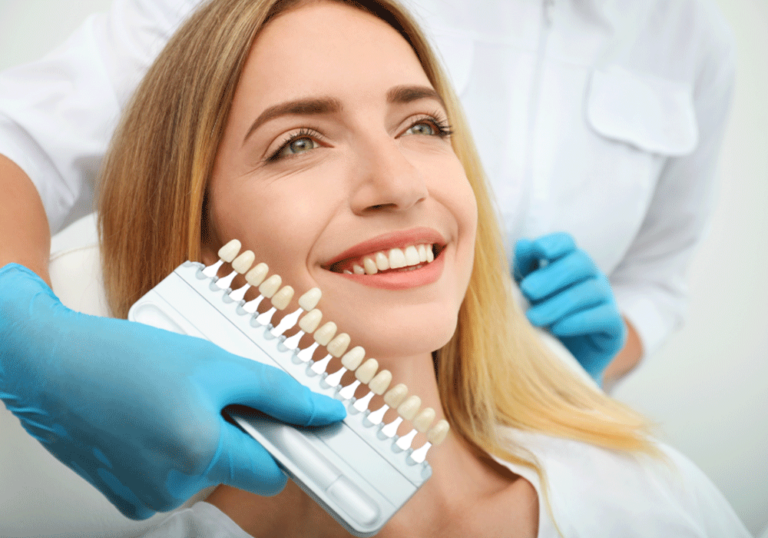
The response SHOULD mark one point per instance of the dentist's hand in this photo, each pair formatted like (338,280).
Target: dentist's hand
(571,297)
(135,410)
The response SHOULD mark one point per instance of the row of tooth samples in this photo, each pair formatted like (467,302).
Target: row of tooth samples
(366,372)
(393,259)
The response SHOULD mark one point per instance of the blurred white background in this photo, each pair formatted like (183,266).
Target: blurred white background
(707,389)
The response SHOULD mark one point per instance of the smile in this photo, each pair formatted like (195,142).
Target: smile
(409,258)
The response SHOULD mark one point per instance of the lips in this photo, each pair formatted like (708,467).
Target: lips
(395,261)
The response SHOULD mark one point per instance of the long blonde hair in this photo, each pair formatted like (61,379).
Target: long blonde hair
(494,371)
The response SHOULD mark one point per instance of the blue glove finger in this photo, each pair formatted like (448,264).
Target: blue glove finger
(581,296)
(243,463)
(549,247)
(603,318)
(572,268)
(271,391)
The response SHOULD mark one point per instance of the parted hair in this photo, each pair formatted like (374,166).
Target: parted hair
(151,207)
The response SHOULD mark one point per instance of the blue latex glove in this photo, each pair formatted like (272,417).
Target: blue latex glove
(135,410)
(571,297)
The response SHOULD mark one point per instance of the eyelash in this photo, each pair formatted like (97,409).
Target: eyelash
(444,130)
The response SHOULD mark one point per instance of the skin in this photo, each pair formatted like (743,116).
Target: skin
(371,167)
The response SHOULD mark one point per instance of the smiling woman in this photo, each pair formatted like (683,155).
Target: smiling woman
(324,137)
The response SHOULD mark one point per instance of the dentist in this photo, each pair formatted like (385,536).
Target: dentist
(598,123)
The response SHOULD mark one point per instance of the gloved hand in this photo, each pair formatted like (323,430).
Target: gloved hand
(571,297)
(135,410)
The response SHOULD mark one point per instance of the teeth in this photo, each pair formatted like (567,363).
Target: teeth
(256,276)
(380,383)
(310,321)
(395,258)
(437,434)
(424,419)
(353,358)
(409,407)
(282,298)
(366,372)
(395,396)
(338,345)
(270,286)
(324,334)
(412,256)
(243,262)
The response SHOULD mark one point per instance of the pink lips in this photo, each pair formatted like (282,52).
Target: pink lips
(395,280)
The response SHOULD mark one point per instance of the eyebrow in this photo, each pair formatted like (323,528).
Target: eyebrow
(330,105)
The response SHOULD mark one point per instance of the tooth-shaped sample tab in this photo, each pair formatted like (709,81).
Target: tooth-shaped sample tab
(310,321)
(353,358)
(382,262)
(370,266)
(229,251)
(409,407)
(243,262)
(309,300)
(395,396)
(396,258)
(380,383)
(338,345)
(411,256)
(270,286)
(366,372)
(437,434)
(324,334)
(424,419)
(282,298)
(256,276)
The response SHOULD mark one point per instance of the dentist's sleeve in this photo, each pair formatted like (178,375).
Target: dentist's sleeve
(57,114)
(650,283)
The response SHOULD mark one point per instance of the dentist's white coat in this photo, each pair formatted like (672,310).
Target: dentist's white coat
(602,118)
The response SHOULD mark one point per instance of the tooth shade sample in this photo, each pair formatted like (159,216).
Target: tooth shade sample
(352,359)
(396,258)
(256,276)
(366,372)
(339,345)
(243,262)
(229,251)
(324,334)
(430,255)
(380,383)
(309,300)
(412,256)
(310,321)
(422,253)
(370,266)
(358,270)
(409,407)
(270,286)
(382,262)
(281,299)
(395,396)
(424,419)
(437,435)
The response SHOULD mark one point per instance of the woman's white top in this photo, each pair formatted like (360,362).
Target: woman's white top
(602,118)
(594,493)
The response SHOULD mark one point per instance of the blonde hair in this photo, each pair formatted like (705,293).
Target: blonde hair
(494,371)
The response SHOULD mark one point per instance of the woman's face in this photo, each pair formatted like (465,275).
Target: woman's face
(335,150)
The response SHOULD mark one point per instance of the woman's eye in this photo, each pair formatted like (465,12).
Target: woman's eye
(296,146)
(422,128)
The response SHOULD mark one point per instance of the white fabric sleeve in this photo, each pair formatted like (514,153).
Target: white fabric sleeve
(650,282)
(202,520)
(57,114)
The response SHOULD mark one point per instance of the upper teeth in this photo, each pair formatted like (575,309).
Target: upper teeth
(395,258)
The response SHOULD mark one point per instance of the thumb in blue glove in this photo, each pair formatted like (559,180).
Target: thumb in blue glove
(572,298)
(135,410)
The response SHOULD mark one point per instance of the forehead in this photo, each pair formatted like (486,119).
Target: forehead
(328,48)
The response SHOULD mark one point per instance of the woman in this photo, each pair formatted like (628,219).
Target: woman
(322,133)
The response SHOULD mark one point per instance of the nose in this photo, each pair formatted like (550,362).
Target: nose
(385,179)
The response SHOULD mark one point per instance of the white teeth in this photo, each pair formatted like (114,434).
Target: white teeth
(358,270)
(309,300)
(422,253)
(382,262)
(229,251)
(430,255)
(396,259)
(412,256)
(370,266)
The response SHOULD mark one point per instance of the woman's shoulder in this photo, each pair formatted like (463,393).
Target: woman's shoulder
(600,492)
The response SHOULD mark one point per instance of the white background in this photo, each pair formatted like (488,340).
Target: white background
(707,389)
